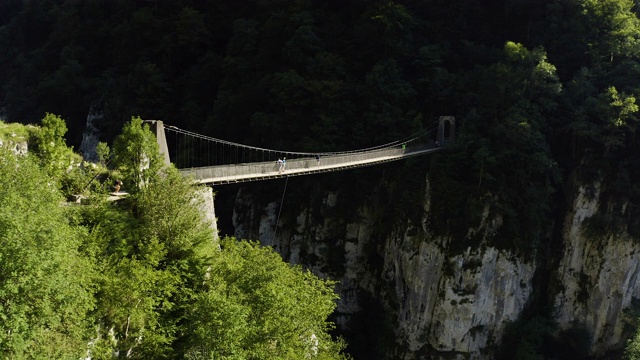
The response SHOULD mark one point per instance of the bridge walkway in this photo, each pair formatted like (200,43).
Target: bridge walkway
(235,173)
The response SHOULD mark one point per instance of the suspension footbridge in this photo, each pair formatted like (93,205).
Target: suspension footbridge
(208,160)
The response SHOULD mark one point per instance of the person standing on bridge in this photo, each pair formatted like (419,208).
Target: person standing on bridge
(280,165)
(117,185)
(318,159)
(284,163)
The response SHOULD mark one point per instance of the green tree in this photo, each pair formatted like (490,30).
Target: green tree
(166,290)
(50,147)
(63,166)
(136,155)
(632,349)
(614,29)
(389,26)
(258,307)
(152,249)
(392,102)
(514,99)
(103,151)
(47,285)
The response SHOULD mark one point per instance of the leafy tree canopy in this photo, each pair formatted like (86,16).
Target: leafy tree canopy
(145,276)
(261,307)
(46,292)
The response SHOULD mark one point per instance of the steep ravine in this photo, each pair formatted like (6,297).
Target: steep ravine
(437,303)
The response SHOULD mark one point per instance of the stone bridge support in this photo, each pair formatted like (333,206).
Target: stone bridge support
(446,130)
(206,193)
(208,209)
(157,127)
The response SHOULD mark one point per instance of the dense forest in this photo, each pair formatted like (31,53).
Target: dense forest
(545,85)
(142,275)
(544,92)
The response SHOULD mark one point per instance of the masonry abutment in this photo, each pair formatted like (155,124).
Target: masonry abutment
(446,129)
(157,126)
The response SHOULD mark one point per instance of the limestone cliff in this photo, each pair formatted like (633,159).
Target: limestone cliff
(440,303)
(598,276)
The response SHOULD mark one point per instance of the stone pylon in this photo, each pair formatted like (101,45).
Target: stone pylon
(446,130)
(157,127)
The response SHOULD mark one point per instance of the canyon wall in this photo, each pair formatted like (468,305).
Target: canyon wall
(445,304)
(598,276)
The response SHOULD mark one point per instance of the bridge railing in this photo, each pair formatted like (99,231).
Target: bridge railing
(208,174)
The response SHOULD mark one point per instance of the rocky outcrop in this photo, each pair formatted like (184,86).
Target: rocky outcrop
(90,135)
(442,303)
(447,303)
(208,209)
(458,304)
(17,146)
(599,276)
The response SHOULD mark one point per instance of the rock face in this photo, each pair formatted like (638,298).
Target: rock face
(445,303)
(459,304)
(599,277)
(90,136)
(440,303)
(17,146)
(208,209)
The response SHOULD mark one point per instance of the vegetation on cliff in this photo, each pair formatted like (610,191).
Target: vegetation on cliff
(142,277)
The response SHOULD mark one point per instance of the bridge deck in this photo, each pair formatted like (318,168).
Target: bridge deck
(225,174)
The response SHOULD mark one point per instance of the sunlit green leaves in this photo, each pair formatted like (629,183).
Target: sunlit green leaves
(624,105)
(136,155)
(49,146)
(632,350)
(46,287)
(258,306)
(153,251)
(617,27)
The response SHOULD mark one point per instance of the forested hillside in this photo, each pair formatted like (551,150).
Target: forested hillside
(141,276)
(543,92)
(544,85)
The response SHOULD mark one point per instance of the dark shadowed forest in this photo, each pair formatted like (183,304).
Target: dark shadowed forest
(543,86)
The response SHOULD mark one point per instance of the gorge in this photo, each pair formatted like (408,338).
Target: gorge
(519,240)
(440,300)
